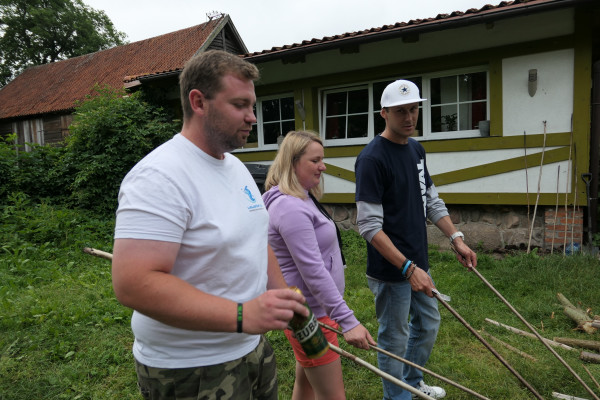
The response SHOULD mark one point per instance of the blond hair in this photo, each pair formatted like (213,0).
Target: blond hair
(282,173)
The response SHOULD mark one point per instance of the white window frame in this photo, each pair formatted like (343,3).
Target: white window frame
(425,108)
(259,123)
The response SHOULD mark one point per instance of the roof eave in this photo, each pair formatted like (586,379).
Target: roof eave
(429,26)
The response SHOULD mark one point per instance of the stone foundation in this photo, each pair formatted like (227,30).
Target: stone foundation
(495,227)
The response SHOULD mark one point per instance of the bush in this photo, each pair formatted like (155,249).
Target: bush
(110,133)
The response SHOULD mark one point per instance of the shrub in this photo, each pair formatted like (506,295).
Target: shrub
(111,132)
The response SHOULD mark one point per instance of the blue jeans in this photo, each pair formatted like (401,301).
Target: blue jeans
(414,340)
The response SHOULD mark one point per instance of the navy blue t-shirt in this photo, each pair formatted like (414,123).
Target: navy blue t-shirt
(395,176)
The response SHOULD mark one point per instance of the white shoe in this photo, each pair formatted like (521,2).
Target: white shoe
(434,391)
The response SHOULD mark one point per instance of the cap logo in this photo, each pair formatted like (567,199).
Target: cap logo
(404,89)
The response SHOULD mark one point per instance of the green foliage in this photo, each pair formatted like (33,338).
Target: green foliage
(63,335)
(110,133)
(38,173)
(35,32)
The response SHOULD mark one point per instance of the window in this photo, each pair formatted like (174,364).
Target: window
(274,118)
(456,102)
(347,114)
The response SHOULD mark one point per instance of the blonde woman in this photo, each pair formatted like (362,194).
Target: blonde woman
(305,241)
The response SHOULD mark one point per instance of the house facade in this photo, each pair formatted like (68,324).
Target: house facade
(507,125)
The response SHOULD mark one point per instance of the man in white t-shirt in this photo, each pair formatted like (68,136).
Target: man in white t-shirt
(191,255)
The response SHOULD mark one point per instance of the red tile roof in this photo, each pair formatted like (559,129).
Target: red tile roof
(441,21)
(55,87)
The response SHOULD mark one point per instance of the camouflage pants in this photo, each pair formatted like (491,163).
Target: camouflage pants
(252,377)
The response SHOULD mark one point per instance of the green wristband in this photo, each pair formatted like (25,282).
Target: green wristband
(239,318)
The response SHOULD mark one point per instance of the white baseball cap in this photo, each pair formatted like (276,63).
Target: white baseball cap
(400,92)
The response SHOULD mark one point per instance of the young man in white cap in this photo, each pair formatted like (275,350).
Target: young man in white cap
(395,196)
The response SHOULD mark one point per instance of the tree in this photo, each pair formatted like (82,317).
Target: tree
(34,32)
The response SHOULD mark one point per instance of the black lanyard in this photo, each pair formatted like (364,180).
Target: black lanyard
(326,214)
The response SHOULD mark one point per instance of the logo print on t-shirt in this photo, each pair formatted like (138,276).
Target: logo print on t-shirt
(421,169)
(249,194)
(255,205)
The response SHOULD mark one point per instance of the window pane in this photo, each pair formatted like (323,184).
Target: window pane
(378,88)
(358,101)
(379,123)
(252,138)
(472,87)
(335,128)
(358,126)
(287,126)
(466,117)
(270,110)
(443,90)
(287,108)
(444,118)
(336,103)
(270,131)
(471,114)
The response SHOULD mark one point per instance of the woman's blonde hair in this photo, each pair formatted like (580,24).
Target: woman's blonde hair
(282,172)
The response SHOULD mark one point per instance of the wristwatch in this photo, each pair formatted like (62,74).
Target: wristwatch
(455,235)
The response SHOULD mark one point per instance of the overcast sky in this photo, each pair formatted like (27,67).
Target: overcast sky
(263,24)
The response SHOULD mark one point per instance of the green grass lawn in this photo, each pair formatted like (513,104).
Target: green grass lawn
(63,335)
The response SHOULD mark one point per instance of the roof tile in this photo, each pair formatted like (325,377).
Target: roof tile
(55,87)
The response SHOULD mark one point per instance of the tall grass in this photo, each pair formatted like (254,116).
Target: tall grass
(63,335)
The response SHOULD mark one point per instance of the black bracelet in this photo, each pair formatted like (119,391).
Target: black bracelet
(239,318)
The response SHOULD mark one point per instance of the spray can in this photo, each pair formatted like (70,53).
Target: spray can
(308,332)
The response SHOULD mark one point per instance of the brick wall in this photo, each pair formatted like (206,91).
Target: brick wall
(563,227)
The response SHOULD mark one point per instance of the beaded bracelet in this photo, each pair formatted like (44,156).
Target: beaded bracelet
(239,318)
(410,273)
(405,266)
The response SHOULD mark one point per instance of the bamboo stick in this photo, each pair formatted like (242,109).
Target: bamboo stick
(412,364)
(97,253)
(508,346)
(527,334)
(379,372)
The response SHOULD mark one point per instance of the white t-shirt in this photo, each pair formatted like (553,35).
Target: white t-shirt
(178,193)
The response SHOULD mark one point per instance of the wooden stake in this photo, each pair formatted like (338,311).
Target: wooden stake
(586,344)
(529,335)
(557,395)
(538,190)
(590,357)
(379,372)
(591,376)
(526,175)
(97,253)
(555,211)
(508,346)
(412,364)
(584,322)
(567,188)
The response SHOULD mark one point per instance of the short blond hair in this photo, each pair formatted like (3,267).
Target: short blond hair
(282,173)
